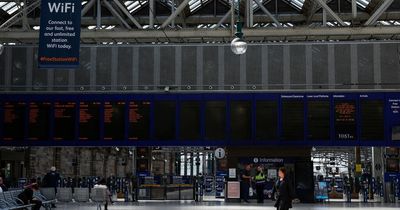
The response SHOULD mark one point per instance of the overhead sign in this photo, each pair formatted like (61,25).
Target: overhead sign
(60,26)
(219,153)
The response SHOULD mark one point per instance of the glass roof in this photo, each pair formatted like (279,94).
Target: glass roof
(10,7)
(134,6)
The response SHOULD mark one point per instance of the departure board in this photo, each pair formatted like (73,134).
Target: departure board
(39,121)
(139,120)
(114,120)
(215,120)
(240,120)
(89,120)
(164,120)
(345,120)
(189,120)
(292,120)
(64,120)
(266,120)
(318,120)
(372,119)
(14,121)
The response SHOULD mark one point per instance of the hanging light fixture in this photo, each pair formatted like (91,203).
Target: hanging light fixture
(238,45)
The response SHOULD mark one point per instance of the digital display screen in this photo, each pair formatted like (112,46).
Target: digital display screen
(89,124)
(345,120)
(189,120)
(39,120)
(372,119)
(318,120)
(139,120)
(241,120)
(164,120)
(292,120)
(215,120)
(266,120)
(114,120)
(392,165)
(64,120)
(14,120)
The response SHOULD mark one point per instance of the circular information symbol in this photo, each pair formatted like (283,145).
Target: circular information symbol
(219,153)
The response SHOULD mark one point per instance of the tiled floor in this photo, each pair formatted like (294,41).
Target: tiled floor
(223,206)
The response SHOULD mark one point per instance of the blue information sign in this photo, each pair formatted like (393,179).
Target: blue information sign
(60,25)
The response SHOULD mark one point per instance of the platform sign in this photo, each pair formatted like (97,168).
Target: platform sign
(59,39)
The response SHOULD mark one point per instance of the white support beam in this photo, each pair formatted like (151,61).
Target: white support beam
(126,12)
(223,19)
(375,16)
(354,8)
(151,13)
(178,10)
(330,12)
(88,6)
(277,23)
(115,14)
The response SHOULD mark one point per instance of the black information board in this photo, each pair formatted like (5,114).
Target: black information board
(189,120)
(345,120)
(89,122)
(39,120)
(215,120)
(266,120)
(114,120)
(164,120)
(372,119)
(64,120)
(14,121)
(139,120)
(318,120)
(240,120)
(292,119)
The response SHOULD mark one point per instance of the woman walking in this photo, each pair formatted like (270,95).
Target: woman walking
(284,191)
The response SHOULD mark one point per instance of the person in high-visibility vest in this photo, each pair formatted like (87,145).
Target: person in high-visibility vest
(260,183)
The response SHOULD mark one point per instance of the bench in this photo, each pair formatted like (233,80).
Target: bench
(9,200)
(46,202)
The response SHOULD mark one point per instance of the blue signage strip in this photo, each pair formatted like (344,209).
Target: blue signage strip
(60,26)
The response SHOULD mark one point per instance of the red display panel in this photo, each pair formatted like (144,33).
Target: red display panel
(39,121)
(114,120)
(139,120)
(89,124)
(14,120)
(64,120)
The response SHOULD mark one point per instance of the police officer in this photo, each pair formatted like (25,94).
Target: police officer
(260,183)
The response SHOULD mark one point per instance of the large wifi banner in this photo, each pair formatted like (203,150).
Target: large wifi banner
(60,27)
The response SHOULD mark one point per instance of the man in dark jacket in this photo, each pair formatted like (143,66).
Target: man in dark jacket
(245,183)
(51,180)
(285,192)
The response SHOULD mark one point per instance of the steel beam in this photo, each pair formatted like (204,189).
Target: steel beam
(277,23)
(354,8)
(330,12)
(17,17)
(220,33)
(151,13)
(126,12)
(375,16)
(88,6)
(223,19)
(210,19)
(98,15)
(178,10)
(115,13)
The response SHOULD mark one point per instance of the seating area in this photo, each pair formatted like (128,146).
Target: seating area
(9,199)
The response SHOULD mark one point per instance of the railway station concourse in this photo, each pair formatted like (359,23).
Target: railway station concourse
(172,104)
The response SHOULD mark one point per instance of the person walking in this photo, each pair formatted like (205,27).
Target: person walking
(260,184)
(284,192)
(245,183)
(51,180)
